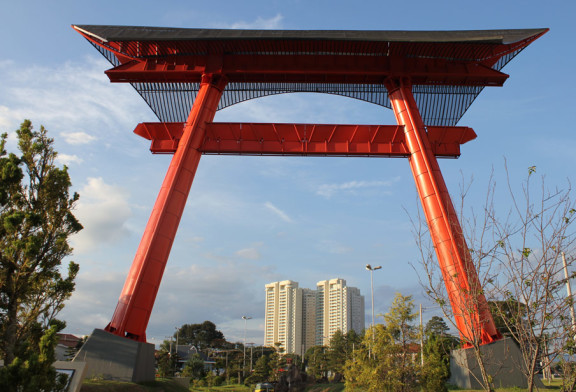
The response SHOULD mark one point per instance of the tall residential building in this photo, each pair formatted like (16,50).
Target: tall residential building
(283,318)
(338,308)
(301,318)
(308,318)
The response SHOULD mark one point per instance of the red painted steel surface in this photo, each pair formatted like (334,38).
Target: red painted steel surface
(305,139)
(460,276)
(325,68)
(136,301)
(155,55)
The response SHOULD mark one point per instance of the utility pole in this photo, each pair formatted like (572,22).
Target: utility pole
(570,298)
(421,339)
(176,356)
(245,318)
(227,373)
(251,352)
(372,269)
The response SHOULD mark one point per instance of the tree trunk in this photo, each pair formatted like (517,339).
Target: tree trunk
(10,333)
(485,377)
(531,370)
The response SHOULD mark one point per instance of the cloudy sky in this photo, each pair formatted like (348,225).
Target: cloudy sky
(249,220)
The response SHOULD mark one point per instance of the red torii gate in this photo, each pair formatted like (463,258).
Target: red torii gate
(429,79)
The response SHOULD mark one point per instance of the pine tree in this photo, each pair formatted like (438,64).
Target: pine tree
(36,221)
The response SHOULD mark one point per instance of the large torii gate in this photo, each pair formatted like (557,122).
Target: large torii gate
(428,78)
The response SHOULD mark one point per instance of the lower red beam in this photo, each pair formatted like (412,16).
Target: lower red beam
(305,139)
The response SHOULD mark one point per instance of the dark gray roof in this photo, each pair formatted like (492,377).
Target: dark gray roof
(141,33)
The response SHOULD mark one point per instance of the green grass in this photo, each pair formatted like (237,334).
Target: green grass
(165,385)
(161,385)
(553,386)
(223,388)
(326,388)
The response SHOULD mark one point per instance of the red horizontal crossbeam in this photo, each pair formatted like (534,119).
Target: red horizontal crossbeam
(257,68)
(305,139)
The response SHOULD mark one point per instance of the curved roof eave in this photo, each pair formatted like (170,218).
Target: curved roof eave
(142,33)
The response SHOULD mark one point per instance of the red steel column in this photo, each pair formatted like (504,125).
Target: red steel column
(137,298)
(458,271)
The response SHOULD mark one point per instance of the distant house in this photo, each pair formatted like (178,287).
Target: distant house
(66,346)
(186,351)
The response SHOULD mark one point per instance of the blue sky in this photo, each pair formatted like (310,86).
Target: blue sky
(250,221)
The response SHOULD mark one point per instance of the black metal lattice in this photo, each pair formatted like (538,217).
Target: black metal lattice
(439,105)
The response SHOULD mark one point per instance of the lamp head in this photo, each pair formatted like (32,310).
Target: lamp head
(368,267)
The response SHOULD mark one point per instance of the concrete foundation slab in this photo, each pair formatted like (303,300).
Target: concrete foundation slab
(503,361)
(113,357)
(74,371)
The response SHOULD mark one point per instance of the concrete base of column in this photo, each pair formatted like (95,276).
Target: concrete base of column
(113,357)
(503,361)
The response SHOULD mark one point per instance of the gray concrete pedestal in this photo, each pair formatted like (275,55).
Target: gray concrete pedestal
(503,361)
(113,357)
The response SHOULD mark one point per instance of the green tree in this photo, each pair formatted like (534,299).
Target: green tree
(262,370)
(36,221)
(436,326)
(436,369)
(392,364)
(437,329)
(316,360)
(165,364)
(399,325)
(277,361)
(33,371)
(508,315)
(194,367)
(340,350)
(200,336)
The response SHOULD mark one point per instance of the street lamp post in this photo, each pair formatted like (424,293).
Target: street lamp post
(245,318)
(176,357)
(251,353)
(372,269)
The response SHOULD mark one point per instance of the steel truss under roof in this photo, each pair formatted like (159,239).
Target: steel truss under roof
(448,69)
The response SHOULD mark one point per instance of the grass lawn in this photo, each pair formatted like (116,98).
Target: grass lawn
(326,388)
(165,385)
(161,385)
(553,386)
(223,388)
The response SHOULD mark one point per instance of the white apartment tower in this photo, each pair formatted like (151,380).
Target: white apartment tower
(283,318)
(338,308)
(309,299)
(301,318)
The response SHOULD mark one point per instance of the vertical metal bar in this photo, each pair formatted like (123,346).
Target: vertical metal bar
(469,305)
(569,296)
(421,339)
(136,301)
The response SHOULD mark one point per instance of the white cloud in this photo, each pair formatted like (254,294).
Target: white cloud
(103,211)
(220,292)
(75,138)
(329,190)
(252,253)
(216,205)
(273,23)
(66,159)
(92,303)
(9,118)
(70,97)
(333,247)
(278,212)
(216,292)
